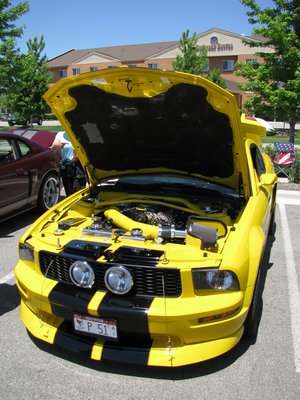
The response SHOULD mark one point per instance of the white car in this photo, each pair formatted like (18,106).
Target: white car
(265,124)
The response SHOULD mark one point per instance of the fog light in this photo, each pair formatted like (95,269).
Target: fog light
(82,274)
(118,280)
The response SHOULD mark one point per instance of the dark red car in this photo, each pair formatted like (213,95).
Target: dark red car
(28,172)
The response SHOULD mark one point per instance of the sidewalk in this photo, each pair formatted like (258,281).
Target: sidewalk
(291,197)
(285,185)
(281,125)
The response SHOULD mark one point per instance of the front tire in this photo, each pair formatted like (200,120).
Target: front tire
(48,193)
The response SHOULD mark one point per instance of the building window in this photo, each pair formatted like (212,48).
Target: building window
(93,69)
(214,40)
(206,68)
(251,60)
(63,73)
(153,66)
(227,65)
(76,71)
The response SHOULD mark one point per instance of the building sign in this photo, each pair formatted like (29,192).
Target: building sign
(216,46)
(220,47)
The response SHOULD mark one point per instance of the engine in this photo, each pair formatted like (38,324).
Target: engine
(141,221)
(161,224)
(156,216)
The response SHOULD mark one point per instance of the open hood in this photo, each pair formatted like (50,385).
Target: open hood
(137,120)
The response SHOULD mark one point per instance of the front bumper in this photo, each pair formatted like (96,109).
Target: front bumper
(156,332)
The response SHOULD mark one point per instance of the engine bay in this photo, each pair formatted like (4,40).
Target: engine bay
(163,219)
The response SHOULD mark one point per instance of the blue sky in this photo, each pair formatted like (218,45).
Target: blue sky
(77,24)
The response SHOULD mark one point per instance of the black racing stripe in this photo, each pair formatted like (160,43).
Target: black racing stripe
(131,312)
(123,354)
(66,299)
(134,342)
(68,340)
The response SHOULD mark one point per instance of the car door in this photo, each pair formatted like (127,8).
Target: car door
(262,193)
(14,178)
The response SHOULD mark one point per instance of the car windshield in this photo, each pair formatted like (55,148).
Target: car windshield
(167,184)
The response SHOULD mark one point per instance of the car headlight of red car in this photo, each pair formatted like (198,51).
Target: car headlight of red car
(216,279)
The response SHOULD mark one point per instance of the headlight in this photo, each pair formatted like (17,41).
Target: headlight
(26,252)
(215,279)
(82,274)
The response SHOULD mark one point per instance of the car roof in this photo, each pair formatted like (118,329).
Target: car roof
(43,138)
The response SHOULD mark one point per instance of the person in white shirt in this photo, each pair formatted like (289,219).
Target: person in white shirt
(62,146)
(70,169)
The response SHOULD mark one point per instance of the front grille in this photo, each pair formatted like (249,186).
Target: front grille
(134,256)
(148,280)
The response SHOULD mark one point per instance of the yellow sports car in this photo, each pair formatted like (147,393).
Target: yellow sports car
(157,261)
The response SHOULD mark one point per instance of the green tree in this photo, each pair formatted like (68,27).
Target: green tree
(9,61)
(32,81)
(193,59)
(215,76)
(276,81)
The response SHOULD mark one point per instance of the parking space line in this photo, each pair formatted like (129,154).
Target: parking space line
(7,278)
(293,287)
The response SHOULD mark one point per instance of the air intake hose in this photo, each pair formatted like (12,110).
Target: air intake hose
(120,220)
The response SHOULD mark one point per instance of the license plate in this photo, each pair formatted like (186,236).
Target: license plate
(95,326)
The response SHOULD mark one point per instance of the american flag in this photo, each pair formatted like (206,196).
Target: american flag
(284,147)
(286,156)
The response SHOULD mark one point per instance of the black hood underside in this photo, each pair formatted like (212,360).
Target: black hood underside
(177,130)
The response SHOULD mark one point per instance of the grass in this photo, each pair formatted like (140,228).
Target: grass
(273,139)
(280,138)
(50,128)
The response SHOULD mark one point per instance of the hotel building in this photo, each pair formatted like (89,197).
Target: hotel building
(224,49)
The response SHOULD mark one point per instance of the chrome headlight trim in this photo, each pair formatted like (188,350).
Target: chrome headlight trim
(118,280)
(82,274)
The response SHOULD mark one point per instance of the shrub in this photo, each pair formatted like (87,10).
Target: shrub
(294,174)
(273,132)
(270,150)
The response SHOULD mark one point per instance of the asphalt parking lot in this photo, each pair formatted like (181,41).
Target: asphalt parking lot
(268,368)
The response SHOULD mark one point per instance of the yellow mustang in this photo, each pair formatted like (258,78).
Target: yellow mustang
(157,260)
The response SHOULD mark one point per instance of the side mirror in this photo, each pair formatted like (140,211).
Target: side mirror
(267,179)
